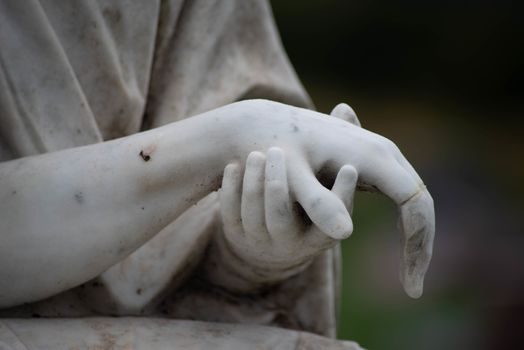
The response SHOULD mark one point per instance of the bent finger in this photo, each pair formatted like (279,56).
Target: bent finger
(322,206)
(390,173)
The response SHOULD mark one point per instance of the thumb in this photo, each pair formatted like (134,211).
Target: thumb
(417,224)
(322,206)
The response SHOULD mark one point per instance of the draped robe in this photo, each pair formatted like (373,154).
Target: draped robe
(77,72)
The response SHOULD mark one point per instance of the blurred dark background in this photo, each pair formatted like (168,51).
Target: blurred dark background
(444,81)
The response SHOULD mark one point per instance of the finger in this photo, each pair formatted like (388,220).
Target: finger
(417,217)
(229,197)
(322,206)
(279,215)
(417,224)
(345,185)
(383,173)
(344,188)
(252,206)
(345,112)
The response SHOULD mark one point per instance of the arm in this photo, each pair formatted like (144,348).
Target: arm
(67,216)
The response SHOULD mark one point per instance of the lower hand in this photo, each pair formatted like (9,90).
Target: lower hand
(263,225)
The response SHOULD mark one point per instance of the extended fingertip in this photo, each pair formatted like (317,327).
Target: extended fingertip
(413,286)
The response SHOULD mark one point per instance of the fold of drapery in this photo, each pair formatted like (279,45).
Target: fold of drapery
(85,71)
(79,72)
(42,106)
(219,52)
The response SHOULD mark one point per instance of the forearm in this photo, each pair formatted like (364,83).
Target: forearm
(67,216)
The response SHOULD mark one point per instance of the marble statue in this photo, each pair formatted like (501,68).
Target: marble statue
(160,162)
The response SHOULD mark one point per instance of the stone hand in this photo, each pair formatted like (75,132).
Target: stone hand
(262,225)
(313,143)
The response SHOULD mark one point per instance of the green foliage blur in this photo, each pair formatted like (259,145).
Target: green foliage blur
(444,81)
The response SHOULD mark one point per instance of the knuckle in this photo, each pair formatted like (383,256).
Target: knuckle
(382,146)
(375,146)
(390,145)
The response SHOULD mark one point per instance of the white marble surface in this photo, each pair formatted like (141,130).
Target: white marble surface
(140,333)
(101,218)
